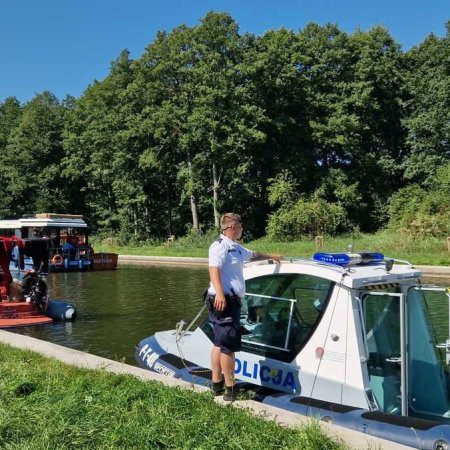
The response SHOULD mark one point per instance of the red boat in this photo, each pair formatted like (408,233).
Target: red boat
(29,303)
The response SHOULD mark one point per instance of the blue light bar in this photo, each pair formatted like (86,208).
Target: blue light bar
(349,259)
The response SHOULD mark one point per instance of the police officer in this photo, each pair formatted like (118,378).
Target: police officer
(227,287)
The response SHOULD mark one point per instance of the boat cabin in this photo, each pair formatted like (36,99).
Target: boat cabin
(60,228)
(354,333)
(358,334)
(67,233)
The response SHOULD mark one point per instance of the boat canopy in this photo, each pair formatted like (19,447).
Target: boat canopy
(45,220)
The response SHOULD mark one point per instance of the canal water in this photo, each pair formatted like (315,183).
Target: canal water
(116,309)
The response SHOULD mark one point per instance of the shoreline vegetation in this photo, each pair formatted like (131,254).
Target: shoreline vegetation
(47,404)
(309,131)
(418,250)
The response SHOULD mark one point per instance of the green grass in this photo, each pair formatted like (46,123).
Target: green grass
(45,404)
(418,250)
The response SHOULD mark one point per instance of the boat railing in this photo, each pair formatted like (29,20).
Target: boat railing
(402,261)
(79,252)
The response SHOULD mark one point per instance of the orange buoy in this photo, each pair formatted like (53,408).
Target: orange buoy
(58,260)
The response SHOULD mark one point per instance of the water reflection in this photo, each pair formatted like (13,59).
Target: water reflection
(116,309)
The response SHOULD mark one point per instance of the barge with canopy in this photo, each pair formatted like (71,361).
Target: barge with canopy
(343,337)
(68,242)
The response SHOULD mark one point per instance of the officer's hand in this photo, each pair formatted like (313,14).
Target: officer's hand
(219,302)
(277,258)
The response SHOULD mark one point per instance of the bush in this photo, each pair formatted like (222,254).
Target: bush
(306,218)
(197,239)
(418,212)
(404,204)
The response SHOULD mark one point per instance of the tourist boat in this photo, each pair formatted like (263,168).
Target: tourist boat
(68,242)
(26,302)
(343,337)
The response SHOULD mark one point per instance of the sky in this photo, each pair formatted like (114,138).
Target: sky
(64,45)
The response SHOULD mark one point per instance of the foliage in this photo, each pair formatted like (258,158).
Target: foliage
(306,218)
(10,115)
(31,159)
(428,119)
(210,120)
(423,211)
(282,189)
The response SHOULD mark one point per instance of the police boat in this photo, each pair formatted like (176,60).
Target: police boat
(344,337)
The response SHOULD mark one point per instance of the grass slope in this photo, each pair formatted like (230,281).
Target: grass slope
(45,404)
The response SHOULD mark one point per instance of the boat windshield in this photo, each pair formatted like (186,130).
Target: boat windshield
(280,313)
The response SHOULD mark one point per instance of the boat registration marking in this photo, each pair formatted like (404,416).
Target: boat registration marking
(149,358)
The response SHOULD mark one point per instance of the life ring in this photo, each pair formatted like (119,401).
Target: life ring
(58,260)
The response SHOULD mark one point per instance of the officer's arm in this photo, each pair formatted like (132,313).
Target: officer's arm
(214,274)
(260,256)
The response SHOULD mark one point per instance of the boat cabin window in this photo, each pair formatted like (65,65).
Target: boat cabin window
(280,312)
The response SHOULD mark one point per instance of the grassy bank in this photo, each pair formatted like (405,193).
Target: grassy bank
(45,404)
(424,250)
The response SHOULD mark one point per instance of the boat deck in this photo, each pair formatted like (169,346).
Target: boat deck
(20,314)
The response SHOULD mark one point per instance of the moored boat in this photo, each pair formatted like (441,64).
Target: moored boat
(343,337)
(104,261)
(67,238)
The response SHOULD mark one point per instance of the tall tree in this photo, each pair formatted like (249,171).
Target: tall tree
(428,108)
(224,123)
(354,100)
(10,114)
(33,155)
(98,158)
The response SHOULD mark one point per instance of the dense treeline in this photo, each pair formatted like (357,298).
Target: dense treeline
(302,132)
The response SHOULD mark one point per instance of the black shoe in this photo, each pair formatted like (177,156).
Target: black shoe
(218,388)
(231,393)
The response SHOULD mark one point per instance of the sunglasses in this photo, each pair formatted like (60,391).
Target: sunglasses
(232,225)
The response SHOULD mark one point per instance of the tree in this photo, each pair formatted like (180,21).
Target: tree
(354,99)
(223,124)
(32,158)
(10,114)
(99,154)
(428,120)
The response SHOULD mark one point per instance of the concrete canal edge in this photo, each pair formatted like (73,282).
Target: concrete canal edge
(427,271)
(87,361)
(170,260)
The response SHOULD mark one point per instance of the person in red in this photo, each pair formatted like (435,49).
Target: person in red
(6,246)
(227,287)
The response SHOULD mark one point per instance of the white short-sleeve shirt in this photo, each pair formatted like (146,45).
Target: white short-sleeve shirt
(229,257)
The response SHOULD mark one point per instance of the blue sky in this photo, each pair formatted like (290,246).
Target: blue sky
(64,45)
